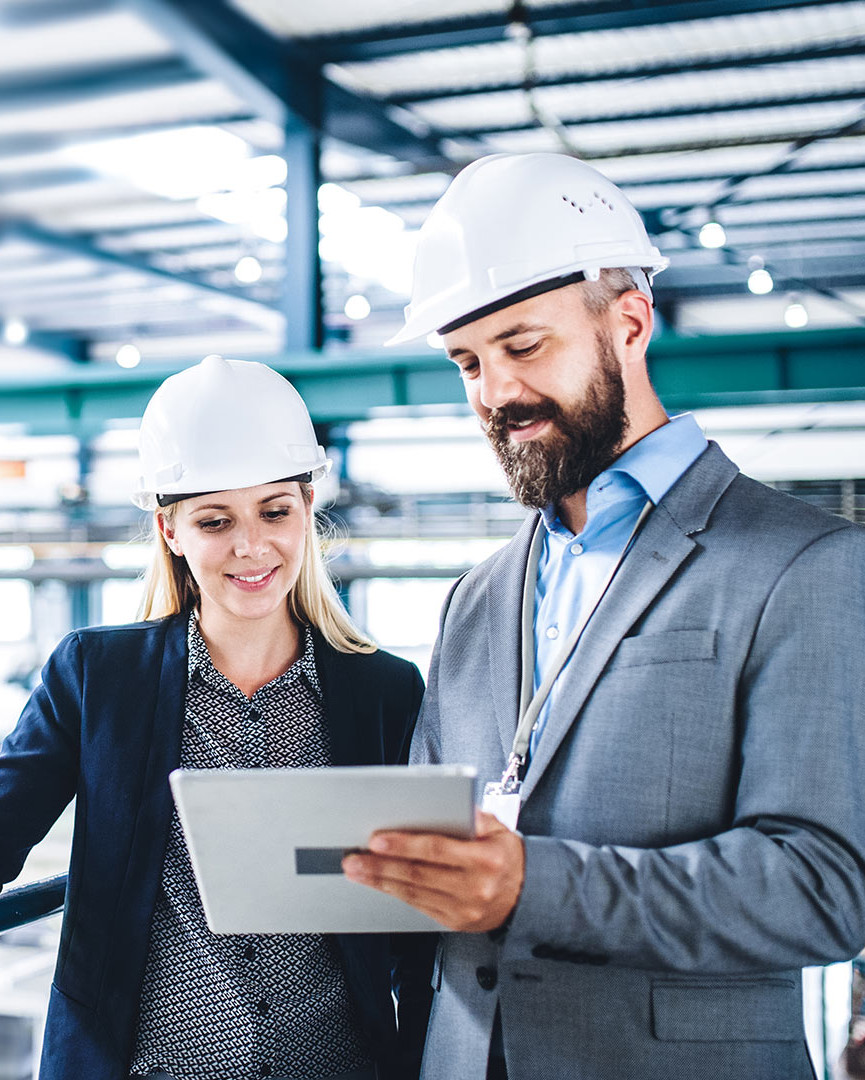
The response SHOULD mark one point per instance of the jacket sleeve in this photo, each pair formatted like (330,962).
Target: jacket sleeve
(39,759)
(412,954)
(784,885)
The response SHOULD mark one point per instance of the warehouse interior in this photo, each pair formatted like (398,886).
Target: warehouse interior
(246,178)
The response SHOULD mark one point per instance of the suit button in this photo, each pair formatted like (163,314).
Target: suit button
(487,978)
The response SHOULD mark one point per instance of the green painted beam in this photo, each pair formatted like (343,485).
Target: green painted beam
(815,365)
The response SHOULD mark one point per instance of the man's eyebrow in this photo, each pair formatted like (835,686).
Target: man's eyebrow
(504,335)
(516,330)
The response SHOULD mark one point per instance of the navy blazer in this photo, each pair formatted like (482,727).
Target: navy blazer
(105,725)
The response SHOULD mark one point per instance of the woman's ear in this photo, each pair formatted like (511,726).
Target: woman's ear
(166,528)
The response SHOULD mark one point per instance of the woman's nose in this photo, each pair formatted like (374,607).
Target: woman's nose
(250,540)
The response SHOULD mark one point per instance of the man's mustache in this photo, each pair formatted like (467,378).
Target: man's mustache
(517,412)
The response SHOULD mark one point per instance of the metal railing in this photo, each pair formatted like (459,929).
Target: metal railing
(27,903)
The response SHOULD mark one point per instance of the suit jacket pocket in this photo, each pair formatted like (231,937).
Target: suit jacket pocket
(668,647)
(765,1010)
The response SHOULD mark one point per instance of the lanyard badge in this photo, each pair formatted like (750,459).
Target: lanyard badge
(502,798)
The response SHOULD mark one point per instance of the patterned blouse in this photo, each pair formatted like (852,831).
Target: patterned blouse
(239,1007)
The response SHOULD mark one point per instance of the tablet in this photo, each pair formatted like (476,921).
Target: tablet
(266,844)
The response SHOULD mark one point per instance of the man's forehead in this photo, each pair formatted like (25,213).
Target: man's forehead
(533,315)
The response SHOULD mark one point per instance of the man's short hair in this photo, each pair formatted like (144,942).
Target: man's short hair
(599,295)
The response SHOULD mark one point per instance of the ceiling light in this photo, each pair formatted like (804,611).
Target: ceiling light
(357,307)
(128,356)
(760,282)
(712,235)
(181,163)
(248,270)
(15,557)
(795,314)
(15,331)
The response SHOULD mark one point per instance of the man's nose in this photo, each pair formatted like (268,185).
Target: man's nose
(498,386)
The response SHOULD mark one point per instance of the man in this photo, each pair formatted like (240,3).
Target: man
(667,663)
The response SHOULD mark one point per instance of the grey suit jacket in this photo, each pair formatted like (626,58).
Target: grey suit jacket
(694,815)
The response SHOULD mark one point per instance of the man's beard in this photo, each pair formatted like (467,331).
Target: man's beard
(584,440)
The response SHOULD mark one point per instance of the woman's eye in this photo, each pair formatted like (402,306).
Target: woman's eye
(277,514)
(211,524)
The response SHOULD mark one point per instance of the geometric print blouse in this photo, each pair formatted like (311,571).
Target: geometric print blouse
(241,1007)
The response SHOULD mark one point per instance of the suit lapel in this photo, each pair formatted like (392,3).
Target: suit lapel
(340,708)
(503,615)
(662,546)
(658,552)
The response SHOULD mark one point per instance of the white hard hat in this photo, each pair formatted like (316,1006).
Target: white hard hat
(511,226)
(224,424)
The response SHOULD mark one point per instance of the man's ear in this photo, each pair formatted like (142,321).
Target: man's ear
(634,323)
(168,534)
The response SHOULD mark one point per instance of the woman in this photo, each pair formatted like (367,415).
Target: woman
(245,658)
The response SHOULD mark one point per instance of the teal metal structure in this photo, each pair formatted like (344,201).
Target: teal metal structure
(741,369)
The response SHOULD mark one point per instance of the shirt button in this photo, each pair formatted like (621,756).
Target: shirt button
(264,1070)
(576,549)
(264,1008)
(253,714)
(552,632)
(487,978)
(249,952)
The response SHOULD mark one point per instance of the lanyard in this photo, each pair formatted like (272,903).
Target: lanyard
(531,704)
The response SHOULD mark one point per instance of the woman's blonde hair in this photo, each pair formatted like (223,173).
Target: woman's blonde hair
(170,588)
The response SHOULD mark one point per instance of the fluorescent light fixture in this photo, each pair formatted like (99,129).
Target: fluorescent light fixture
(712,235)
(760,282)
(357,307)
(178,164)
(369,242)
(128,356)
(15,331)
(133,556)
(263,212)
(247,270)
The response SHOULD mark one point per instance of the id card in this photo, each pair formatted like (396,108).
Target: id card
(505,805)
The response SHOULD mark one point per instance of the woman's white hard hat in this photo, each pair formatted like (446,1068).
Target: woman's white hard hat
(511,226)
(220,425)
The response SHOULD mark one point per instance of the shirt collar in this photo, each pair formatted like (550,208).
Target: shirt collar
(648,469)
(200,661)
(658,460)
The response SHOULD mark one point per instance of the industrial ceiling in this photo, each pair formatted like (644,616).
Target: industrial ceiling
(161,160)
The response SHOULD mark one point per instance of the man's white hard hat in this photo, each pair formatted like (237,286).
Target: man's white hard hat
(511,226)
(220,425)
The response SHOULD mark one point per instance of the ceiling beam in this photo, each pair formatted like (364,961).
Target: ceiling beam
(246,309)
(695,109)
(568,18)
(24,14)
(730,61)
(41,90)
(278,80)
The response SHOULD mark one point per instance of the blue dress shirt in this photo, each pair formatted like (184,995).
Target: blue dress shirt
(573,570)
